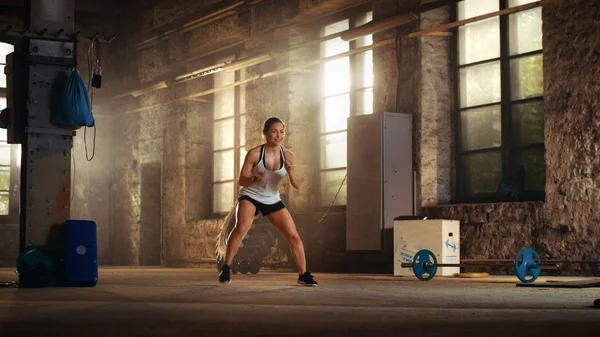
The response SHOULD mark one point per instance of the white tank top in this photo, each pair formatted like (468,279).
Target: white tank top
(268,192)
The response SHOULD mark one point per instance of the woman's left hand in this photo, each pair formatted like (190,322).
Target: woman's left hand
(295,178)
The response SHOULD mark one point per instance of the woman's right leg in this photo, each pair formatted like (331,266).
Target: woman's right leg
(244,216)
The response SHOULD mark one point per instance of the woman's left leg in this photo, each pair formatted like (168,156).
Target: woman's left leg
(282,219)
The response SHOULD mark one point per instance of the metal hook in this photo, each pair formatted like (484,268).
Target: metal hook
(25,31)
(109,40)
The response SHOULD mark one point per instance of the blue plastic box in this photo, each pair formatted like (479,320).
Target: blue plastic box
(81,257)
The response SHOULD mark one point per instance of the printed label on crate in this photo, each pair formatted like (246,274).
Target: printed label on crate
(450,250)
(405,255)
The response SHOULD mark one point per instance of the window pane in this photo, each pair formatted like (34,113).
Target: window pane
(481,172)
(223,165)
(365,102)
(364,63)
(337,27)
(222,78)
(481,128)
(480,84)
(242,130)
(242,98)
(336,113)
(479,41)
(470,8)
(333,150)
(224,131)
(535,167)
(362,19)
(513,3)
(525,31)
(4,154)
(5,49)
(330,183)
(335,46)
(222,197)
(18,154)
(337,76)
(4,203)
(242,157)
(526,77)
(223,104)
(527,123)
(364,41)
(4,178)
(3,103)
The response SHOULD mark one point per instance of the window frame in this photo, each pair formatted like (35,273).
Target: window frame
(355,72)
(507,148)
(237,114)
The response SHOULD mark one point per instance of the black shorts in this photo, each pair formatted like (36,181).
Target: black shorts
(263,208)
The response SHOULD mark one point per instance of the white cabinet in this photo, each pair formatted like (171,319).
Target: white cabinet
(380,178)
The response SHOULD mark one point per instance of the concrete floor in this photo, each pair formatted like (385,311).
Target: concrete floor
(189,302)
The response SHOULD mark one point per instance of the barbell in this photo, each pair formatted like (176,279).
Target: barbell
(528,265)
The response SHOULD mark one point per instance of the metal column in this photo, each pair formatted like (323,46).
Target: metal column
(50,55)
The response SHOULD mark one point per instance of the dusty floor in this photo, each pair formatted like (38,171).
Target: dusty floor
(189,302)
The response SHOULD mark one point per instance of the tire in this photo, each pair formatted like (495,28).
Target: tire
(254,267)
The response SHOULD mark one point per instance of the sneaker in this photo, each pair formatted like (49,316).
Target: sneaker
(307,280)
(224,276)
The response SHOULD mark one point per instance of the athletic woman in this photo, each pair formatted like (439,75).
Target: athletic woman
(264,167)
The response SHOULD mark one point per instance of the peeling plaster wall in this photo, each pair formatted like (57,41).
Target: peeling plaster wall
(436,101)
(572,133)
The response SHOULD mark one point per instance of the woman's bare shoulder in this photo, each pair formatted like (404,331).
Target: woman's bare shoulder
(288,153)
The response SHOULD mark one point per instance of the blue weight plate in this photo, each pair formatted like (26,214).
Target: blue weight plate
(35,255)
(420,268)
(525,265)
(36,266)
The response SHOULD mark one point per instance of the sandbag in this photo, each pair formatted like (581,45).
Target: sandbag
(73,105)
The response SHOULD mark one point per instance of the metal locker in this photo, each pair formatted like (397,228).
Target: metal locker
(380,178)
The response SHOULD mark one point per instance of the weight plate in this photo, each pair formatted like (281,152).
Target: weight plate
(525,265)
(244,266)
(420,268)
(235,267)
(37,267)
